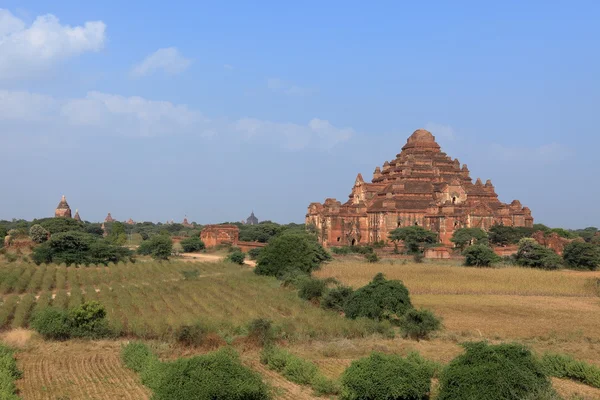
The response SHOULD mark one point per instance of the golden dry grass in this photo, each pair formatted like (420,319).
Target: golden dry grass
(441,278)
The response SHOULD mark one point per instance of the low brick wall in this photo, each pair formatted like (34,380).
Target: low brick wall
(246,246)
(506,251)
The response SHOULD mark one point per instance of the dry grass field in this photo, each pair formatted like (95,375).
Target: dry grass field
(549,311)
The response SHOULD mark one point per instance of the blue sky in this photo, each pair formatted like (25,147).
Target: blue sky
(154,110)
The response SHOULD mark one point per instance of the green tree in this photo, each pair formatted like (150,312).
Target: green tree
(57,225)
(415,238)
(480,255)
(581,255)
(158,247)
(192,244)
(464,237)
(38,234)
(505,235)
(380,299)
(419,324)
(289,252)
(534,255)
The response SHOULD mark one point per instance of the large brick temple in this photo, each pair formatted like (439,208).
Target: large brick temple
(422,186)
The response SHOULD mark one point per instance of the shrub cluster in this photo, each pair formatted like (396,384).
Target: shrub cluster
(480,255)
(254,253)
(261,331)
(217,375)
(237,257)
(191,335)
(380,299)
(533,255)
(191,244)
(8,374)
(418,324)
(490,372)
(291,252)
(79,248)
(158,247)
(388,376)
(298,370)
(564,366)
(86,321)
(582,255)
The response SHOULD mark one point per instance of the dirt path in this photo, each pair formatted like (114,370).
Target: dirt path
(210,258)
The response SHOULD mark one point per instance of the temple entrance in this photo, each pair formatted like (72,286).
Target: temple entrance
(353,242)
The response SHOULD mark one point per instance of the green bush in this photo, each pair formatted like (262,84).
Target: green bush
(418,324)
(381,299)
(135,356)
(192,244)
(237,257)
(465,237)
(88,320)
(336,298)
(8,374)
(416,238)
(254,253)
(52,323)
(581,255)
(490,372)
(291,251)
(480,255)
(191,335)
(311,289)
(261,331)
(372,257)
(387,377)
(78,248)
(38,234)
(298,370)
(564,366)
(158,247)
(534,255)
(218,375)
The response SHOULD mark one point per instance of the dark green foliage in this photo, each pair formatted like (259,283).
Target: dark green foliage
(78,248)
(504,235)
(387,377)
(89,321)
(415,238)
(297,370)
(86,321)
(261,331)
(311,289)
(291,251)
(52,323)
(372,257)
(587,234)
(418,324)
(381,299)
(254,253)
(262,232)
(565,366)
(94,229)
(158,247)
(534,255)
(192,244)
(480,255)
(237,257)
(38,233)
(336,298)
(218,375)
(8,374)
(490,372)
(581,255)
(366,250)
(57,225)
(464,237)
(191,335)
(135,355)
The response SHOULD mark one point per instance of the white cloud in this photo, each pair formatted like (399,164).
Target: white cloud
(281,86)
(29,50)
(168,60)
(441,131)
(25,113)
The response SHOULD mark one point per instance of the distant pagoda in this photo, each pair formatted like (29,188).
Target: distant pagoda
(77,217)
(63,210)
(252,220)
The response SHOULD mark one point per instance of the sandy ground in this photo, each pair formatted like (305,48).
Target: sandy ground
(210,258)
